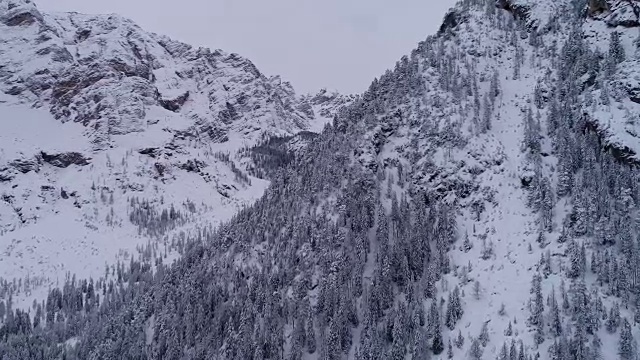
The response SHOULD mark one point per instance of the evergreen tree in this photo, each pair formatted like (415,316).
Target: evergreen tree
(454,309)
(555,321)
(596,348)
(487,249)
(616,50)
(487,112)
(613,320)
(476,290)
(475,351)
(437,345)
(537,308)
(459,342)
(467,245)
(513,351)
(504,352)
(626,345)
(577,259)
(494,86)
(433,319)
(420,346)
(509,330)
(310,336)
(484,334)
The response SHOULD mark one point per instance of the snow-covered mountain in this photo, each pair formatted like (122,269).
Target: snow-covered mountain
(116,79)
(478,201)
(100,118)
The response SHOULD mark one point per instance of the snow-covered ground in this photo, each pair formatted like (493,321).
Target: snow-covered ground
(494,164)
(55,221)
(140,122)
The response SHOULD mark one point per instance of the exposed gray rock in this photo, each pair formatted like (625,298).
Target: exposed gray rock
(614,13)
(25,165)
(20,14)
(58,54)
(64,160)
(628,79)
(622,153)
(82,35)
(634,95)
(596,7)
(14,90)
(175,104)
(6,174)
(108,74)
(624,13)
(451,21)
(153,152)
(519,11)
(193,165)
(306,108)
(160,168)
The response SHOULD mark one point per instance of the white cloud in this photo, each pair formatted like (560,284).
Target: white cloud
(339,44)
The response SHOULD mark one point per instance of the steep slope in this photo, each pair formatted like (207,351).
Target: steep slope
(111,76)
(478,201)
(114,140)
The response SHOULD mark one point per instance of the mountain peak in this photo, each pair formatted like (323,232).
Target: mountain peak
(94,104)
(19,13)
(81,66)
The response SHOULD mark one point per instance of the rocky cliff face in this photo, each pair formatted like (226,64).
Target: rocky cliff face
(114,78)
(624,13)
(614,12)
(97,112)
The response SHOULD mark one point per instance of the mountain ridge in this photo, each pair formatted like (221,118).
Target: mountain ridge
(81,52)
(101,116)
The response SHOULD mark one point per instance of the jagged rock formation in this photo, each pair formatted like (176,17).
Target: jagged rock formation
(520,10)
(114,78)
(64,160)
(624,13)
(597,7)
(97,107)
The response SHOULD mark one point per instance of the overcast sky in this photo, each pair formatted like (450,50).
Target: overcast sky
(337,44)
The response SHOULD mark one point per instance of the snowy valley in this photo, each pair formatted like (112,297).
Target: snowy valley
(478,201)
(117,142)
